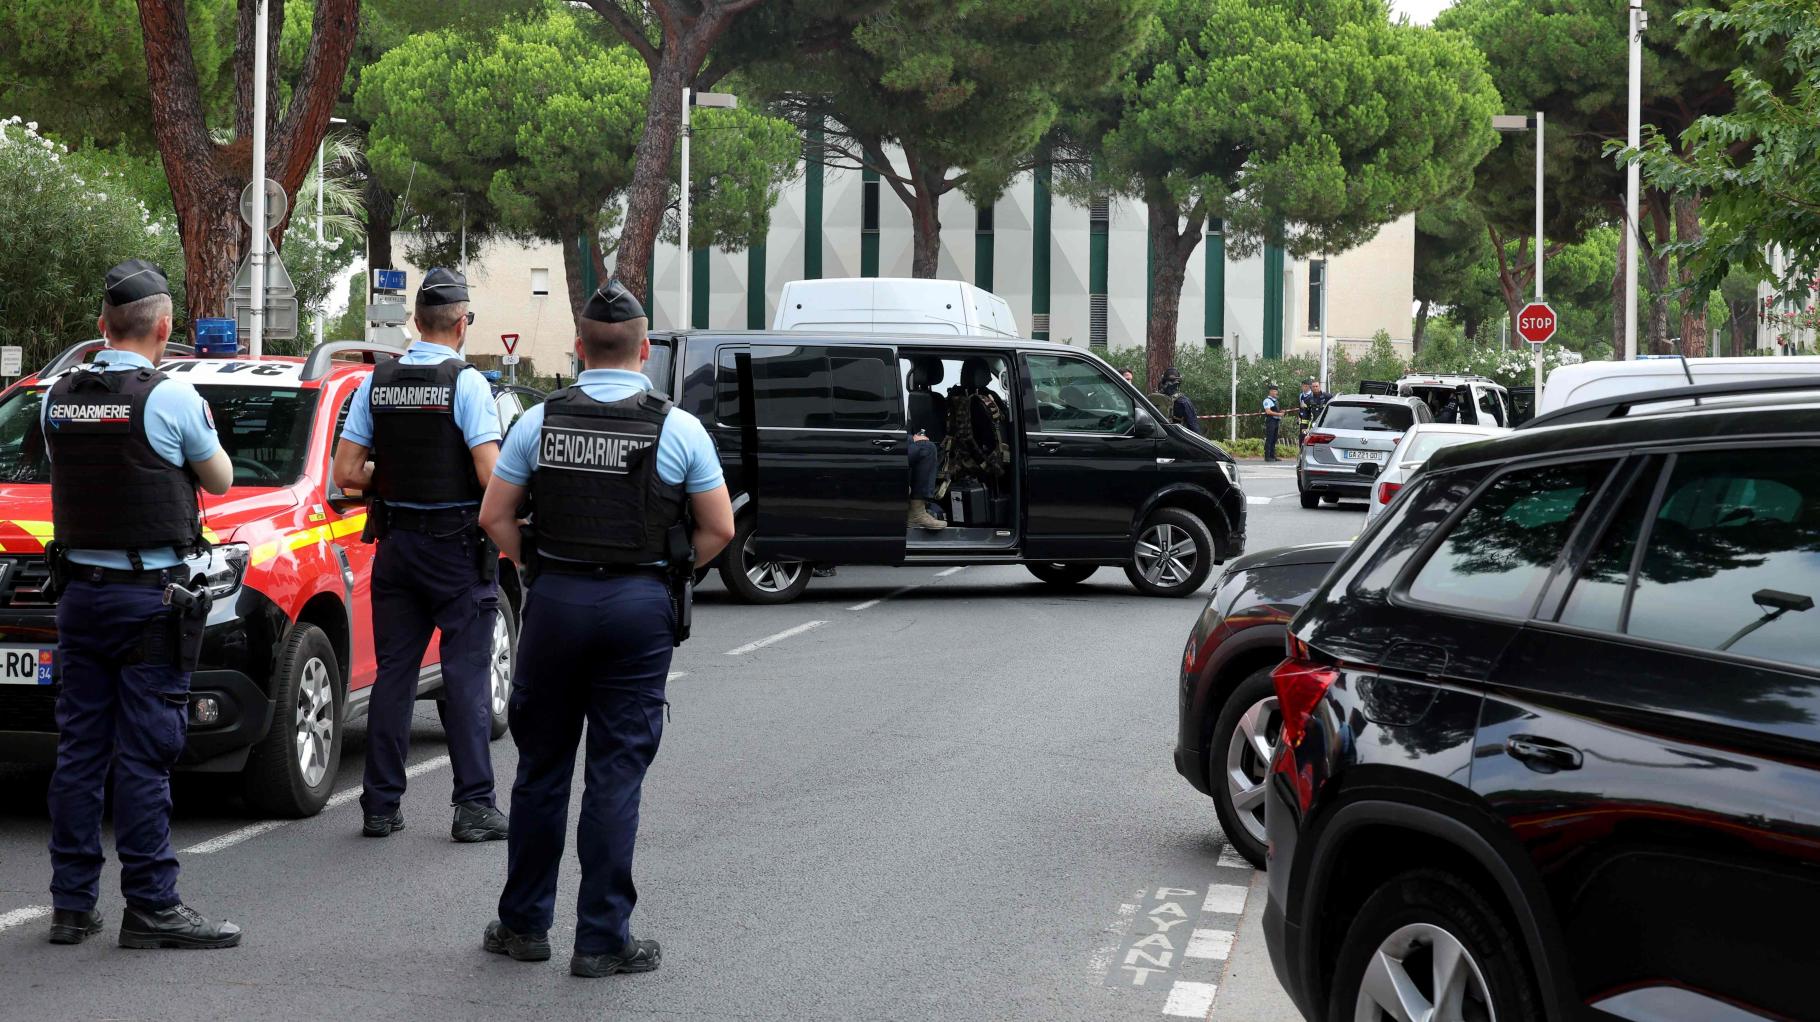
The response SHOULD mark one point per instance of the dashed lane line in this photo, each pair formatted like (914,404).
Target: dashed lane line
(893,594)
(1258,500)
(1190,1000)
(21,916)
(340,798)
(779,637)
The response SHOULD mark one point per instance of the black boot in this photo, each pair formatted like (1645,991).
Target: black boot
(639,956)
(477,821)
(382,825)
(179,926)
(71,927)
(523,947)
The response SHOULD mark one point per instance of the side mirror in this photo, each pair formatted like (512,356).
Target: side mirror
(1370,469)
(1146,426)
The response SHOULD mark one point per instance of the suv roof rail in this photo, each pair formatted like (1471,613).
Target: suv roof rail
(77,353)
(316,365)
(1621,405)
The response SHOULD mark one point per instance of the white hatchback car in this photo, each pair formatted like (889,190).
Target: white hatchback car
(1419,444)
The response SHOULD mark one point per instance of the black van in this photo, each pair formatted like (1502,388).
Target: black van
(812,434)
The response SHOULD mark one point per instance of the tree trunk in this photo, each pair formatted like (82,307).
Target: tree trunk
(928,185)
(1694,328)
(209,225)
(1655,261)
(1620,293)
(571,272)
(1173,245)
(1513,280)
(1415,338)
(648,197)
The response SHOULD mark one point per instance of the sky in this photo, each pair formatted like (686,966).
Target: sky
(1419,11)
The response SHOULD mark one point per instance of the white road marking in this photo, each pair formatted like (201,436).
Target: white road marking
(1213,944)
(1226,899)
(1232,859)
(673,675)
(1190,1000)
(950,571)
(894,594)
(340,798)
(779,637)
(1101,962)
(21,916)
(1258,500)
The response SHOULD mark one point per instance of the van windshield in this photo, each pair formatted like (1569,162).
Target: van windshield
(265,431)
(1372,418)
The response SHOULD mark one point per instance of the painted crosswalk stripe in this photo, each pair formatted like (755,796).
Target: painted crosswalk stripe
(1225,899)
(1190,1000)
(1210,944)
(21,916)
(1231,859)
(779,637)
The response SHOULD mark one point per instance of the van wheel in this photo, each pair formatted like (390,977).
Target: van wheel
(500,662)
(1427,945)
(1310,501)
(1063,575)
(752,580)
(1173,555)
(292,770)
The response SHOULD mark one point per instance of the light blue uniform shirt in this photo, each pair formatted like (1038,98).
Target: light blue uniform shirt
(685,455)
(178,424)
(475,412)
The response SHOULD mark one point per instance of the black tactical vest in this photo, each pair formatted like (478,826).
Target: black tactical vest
(110,490)
(419,453)
(596,493)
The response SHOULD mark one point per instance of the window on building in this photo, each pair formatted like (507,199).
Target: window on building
(982,222)
(869,207)
(540,280)
(1317,272)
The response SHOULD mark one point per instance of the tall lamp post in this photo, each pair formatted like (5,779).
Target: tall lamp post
(691,99)
(1639,20)
(256,258)
(1515,123)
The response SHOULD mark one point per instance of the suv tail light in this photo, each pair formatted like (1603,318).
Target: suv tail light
(1387,491)
(1300,683)
(1317,438)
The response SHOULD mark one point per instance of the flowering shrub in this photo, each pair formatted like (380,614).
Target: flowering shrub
(65,219)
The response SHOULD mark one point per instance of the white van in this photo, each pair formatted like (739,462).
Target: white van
(1593,381)
(894,305)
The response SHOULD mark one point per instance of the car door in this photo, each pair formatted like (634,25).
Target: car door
(1089,459)
(1656,748)
(833,472)
(348,519)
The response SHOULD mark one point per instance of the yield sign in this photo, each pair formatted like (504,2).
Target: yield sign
(510,341)
(1536,323)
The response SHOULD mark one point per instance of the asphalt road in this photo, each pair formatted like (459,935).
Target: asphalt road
(939,795)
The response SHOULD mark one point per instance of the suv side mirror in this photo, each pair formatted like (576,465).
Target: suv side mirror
(1146,426)
(1370,469)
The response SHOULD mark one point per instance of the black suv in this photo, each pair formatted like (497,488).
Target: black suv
(1071,468)
(1551,730)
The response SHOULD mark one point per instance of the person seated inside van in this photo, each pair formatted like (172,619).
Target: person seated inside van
(926,420)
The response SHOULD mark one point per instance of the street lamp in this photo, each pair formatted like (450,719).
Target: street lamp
(1515,123)
(1639,20)
(319,181)
(690,99)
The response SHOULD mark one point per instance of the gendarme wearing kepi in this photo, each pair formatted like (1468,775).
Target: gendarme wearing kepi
(128,449)
(608,468)
(428,422)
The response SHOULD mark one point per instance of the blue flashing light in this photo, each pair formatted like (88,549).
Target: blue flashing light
(216,338)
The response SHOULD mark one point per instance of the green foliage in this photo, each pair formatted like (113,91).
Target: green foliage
(67,218)
(351,324)
(1450,243)
(740,160)
(1756,164)
(1253,447)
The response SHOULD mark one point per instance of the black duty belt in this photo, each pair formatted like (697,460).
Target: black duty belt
(433,520)
(125,576)
(551,566)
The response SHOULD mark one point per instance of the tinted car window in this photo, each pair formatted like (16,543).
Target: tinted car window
(1733,556)
(726,387)
(865,393)
(696,395)
(1073,396)
(657,368)
(1498,554)
(815,388)
(1386,418)
(1597,598)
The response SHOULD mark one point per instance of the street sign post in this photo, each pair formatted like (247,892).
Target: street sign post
(511,359)
(510,341)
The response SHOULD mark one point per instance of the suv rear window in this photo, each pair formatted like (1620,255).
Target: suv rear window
(265,431)
(1372,418)
(1498,554)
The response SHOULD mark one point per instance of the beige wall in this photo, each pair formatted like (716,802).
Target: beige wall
(499,286)
(1370,288)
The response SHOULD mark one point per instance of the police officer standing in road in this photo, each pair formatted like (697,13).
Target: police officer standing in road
(613,472)
(128,448)
(1273,421)
(429,423)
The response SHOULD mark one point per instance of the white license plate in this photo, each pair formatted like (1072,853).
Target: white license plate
(25,665)
(1366,455)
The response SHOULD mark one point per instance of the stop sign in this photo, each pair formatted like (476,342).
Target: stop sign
(1536,323)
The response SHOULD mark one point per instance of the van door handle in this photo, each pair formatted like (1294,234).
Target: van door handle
(1049,445)
(1542,754)
(884,441)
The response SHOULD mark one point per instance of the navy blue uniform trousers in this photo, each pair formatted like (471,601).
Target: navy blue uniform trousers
(595,650)
(115,710)
(423,582)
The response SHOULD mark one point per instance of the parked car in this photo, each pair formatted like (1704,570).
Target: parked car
(1353,430)
(894,305)
(1551,730)
(1601,380)
(1477,400)
(287,658)
(1227,716)
(1072,468)
(1417,446)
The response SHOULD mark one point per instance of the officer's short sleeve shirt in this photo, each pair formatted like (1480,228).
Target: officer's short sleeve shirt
(685,454)
(1270,404)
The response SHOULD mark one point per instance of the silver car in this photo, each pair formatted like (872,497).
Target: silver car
(1422,440)
(1353,430)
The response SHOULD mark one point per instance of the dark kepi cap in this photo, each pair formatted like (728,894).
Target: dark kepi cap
(442,286)
(613,303)
(133,280)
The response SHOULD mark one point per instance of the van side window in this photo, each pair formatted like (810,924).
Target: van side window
(1491,413)
(865,393)
(1073,396)
(821,388)
(726,388)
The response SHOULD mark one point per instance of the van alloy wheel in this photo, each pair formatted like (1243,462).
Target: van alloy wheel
(1166,555)
(1248,754)
(770,576)
(315,721)
(501,662)
(1422,972)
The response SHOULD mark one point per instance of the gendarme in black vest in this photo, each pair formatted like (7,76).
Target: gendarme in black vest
(110,490)
(419,453)
(596,492)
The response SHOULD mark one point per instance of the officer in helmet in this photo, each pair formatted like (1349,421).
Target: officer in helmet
(428,421)
(128,448)
(612,473)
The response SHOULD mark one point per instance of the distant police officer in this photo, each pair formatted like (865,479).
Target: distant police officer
(1181,410)
(1273,421)
(429,422)
(128,448)
(607,467)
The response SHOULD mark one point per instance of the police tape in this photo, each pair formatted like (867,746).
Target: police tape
(1286,416)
